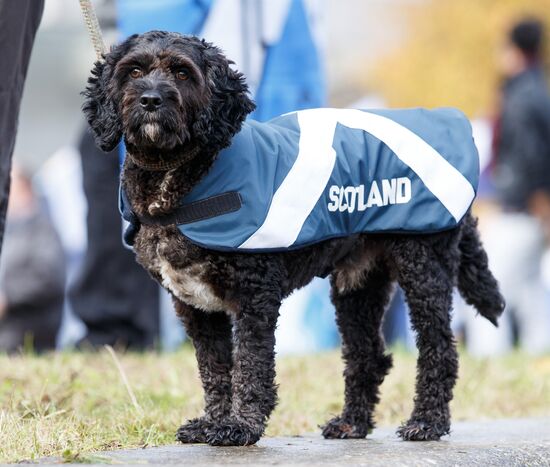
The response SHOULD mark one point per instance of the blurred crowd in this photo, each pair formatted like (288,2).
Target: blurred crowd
(67,281)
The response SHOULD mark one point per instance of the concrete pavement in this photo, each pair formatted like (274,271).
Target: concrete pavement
(492,443)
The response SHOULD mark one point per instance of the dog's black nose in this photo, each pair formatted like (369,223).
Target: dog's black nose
(150,100)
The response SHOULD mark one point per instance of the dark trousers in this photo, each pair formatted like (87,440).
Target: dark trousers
(19,20)
(35,326)
(113,295)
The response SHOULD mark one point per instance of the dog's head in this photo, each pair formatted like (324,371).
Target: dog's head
(166,94)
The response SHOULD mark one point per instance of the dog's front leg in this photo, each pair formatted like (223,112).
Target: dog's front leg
(211,333)
(254,391)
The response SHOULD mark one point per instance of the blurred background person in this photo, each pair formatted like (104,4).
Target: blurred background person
(522,133)
(32,273)
(515,237)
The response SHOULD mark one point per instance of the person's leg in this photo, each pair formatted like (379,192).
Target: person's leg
(113,295)
(19,21)
(31,327)
(533,317)
(514,245)
(533,304)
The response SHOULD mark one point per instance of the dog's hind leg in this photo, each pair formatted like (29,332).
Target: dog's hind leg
(211,334)
(359,315)
(428,284)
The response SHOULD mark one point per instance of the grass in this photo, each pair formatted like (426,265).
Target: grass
(70,404)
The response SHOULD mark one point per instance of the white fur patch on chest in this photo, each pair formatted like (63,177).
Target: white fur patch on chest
(188,286)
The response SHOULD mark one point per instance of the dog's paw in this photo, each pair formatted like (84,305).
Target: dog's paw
(194,431)
(338,428)
(233,433)
(419,430)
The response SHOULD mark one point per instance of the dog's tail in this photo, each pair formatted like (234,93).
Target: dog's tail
(476,283)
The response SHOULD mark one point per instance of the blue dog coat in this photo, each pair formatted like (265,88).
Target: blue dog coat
(317,174)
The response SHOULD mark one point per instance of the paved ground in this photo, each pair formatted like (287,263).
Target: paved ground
(503,443)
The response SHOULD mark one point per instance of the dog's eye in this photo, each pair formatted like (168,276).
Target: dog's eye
(136,72)
(182,74)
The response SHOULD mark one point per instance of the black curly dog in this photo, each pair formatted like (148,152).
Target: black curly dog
(177,103)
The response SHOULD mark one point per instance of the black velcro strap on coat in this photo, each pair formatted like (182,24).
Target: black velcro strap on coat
(198,210)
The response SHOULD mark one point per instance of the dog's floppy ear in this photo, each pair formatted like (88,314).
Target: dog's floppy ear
(229,102)
(100,107)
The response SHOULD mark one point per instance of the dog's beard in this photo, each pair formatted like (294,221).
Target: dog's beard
(151,131)
(164,129)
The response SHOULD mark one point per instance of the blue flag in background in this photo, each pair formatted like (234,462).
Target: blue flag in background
(272,42)
(293,77)
(184,16)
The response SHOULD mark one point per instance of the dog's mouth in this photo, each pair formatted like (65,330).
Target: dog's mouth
(157,140)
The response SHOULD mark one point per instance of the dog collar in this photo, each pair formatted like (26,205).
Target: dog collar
(163,165)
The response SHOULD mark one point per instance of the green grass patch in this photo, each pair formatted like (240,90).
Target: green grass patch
(72,404)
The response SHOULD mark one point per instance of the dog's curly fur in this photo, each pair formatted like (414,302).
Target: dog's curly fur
(229,302)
